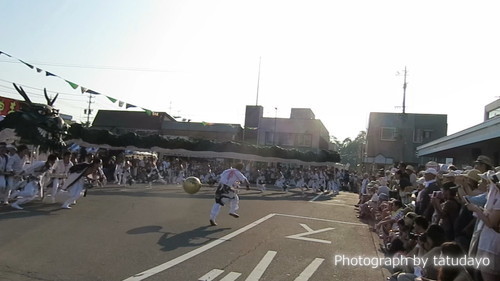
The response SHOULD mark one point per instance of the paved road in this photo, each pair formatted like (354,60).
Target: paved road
(161,233)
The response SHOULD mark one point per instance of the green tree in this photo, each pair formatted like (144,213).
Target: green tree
(351,151)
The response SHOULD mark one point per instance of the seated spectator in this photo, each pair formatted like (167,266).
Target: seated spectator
(420,225)
(447,211)
(388,223)
(423,205)
(383,188)
(430,246)
(449,272)
(366,209)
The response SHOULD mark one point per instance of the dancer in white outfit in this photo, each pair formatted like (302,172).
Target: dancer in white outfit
(15,166)
(60,172)
(75,183)
(226,192)
(32,185)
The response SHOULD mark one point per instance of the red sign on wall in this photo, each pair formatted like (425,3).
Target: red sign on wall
(9,105)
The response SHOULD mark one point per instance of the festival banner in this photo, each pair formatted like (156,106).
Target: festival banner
(9,105)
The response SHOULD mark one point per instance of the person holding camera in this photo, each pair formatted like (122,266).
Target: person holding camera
(423,204)
(489,238)
(446,208)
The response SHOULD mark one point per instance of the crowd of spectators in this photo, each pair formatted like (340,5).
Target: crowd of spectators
(439,211)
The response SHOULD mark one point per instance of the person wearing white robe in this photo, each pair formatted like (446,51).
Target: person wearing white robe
(75,183)
(32,185)
(226,192)
(60,173)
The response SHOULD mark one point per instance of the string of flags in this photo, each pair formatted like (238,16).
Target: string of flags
(75,86)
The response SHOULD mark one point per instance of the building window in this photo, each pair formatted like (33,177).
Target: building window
(493,113)
(303,140)
(286,139)
(388,134)
(418,136)
(427,134)
(421,135)
(269,138)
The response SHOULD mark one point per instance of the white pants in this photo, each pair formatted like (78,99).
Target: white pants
(123,178)
(233,205)
(74,192)
(11,184)
(56,183)
(28,193)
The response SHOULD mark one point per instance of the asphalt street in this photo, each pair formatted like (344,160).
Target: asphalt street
(162,233)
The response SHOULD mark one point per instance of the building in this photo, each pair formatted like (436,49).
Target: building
(160,123)
(301,131)
(139,122)
(393,137)
(463,147)
(209,131)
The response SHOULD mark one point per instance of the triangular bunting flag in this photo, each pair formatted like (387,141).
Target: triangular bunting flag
(5,54)
(111,99)
(92,92)
(148,112)
(39,70)
(49,74)
(83,89)
(27,64)
(127,106)
(73,85)
(120,103)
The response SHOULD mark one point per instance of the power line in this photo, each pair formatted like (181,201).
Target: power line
(138,69)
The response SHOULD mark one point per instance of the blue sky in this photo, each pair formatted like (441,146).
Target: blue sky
(199,59)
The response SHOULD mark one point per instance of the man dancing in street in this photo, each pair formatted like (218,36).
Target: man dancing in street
(33,185)
(226,192)
(76,181)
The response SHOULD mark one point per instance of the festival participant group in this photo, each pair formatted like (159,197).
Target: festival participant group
(64,178)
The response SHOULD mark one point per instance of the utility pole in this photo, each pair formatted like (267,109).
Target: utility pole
(275,118)
(88,111)
(258,84)
(404,93)
(403,120)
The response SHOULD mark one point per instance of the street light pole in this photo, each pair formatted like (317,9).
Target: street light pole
(275,118)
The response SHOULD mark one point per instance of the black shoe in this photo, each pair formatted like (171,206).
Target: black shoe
(213,223)
(234,215)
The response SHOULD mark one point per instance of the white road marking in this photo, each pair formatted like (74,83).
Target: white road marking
(162,267)
(310,269)
(211,275)
(300,236)
(306,227)
(314,199)
(318,219)
(259,270)
(231,276)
